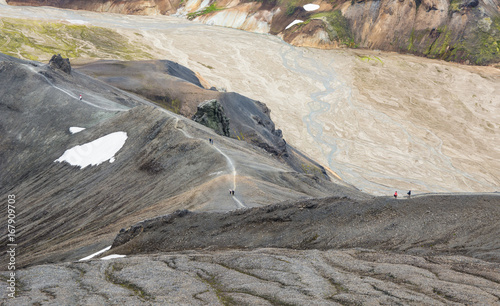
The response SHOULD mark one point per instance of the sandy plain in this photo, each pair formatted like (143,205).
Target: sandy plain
(380,121)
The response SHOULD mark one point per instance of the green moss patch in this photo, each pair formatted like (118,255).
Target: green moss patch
(338,27)
(480,45)
(483,47)
(209,9)
(38,40)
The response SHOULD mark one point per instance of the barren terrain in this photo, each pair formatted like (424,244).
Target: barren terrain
(379,121)
(265,277)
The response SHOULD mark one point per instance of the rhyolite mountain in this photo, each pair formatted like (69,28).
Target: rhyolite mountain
(466,31)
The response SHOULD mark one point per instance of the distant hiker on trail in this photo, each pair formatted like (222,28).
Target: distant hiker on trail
(81,97)
(409,194)
(232,192)
(210,141)
(396,195)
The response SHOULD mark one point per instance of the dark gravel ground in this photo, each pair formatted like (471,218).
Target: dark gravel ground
(263,277)
(427,225)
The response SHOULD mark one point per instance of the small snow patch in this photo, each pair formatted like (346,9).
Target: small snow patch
(95,254)
(75,129)
(311,7)
(112,256)
(294,23)
(95,152)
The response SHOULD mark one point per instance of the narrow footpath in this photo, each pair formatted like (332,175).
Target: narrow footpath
(239,204)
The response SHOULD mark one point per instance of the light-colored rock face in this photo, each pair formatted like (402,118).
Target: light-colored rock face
(433,28)
(431,14)
(246,16)
(378,24)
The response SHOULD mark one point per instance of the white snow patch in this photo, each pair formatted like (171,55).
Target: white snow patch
(311,7)
(95,152)
(95,254)
(112,256)
(215,173)
(294,23)
(73,21)
(75,129)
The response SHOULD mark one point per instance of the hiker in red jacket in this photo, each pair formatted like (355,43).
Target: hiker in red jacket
(396,195)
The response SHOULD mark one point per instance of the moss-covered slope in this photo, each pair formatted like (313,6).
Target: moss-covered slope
(39,40)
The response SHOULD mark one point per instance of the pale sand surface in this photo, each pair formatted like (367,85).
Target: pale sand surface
(381,121)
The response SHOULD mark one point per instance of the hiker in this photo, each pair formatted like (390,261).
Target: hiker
(81,97)
(396,195)
(210,140)
(409,194)
(232,192)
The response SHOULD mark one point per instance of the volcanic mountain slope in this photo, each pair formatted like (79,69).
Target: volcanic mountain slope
(66,212)
(180,90)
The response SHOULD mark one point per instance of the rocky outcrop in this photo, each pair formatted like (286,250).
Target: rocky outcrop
(57,62)
(210,113)
(462,31)
(252,123)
